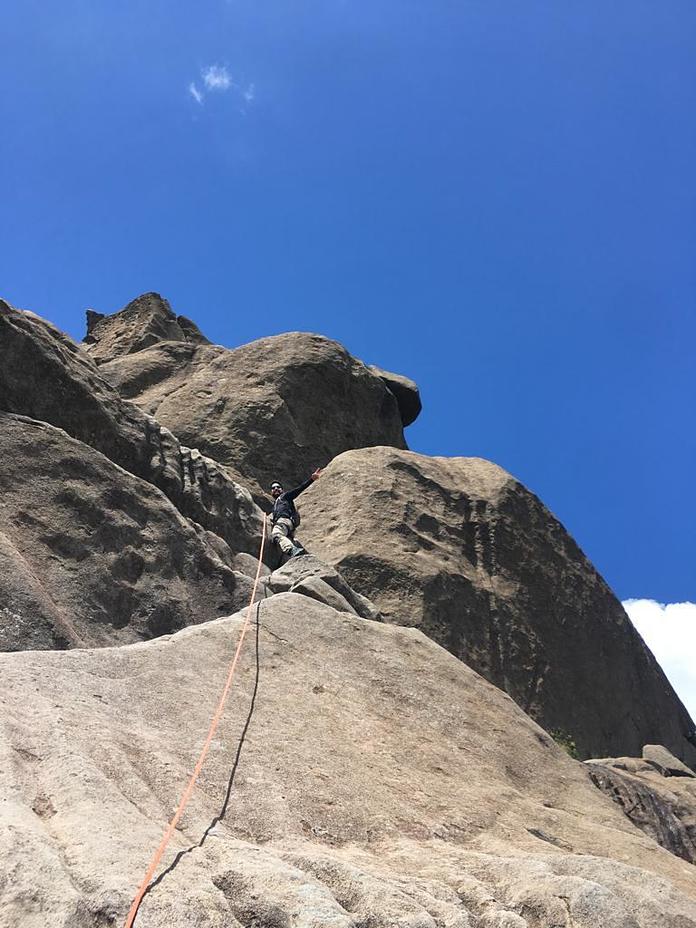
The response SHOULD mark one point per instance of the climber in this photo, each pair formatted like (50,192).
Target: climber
(285,517)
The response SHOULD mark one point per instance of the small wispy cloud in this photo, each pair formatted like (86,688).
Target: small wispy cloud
(216,77)
(669,630)
(196,93)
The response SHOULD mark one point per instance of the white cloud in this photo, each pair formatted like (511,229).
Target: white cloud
(669,630)
(216,77)
(196,93)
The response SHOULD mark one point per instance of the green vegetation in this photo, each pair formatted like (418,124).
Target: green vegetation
(565,740)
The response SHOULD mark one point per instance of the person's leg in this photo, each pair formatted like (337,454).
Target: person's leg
(281,533)
(297,547)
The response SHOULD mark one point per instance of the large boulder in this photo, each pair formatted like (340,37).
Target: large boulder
(311,577)
(91,555)
(361,776)
(459,548)
(273,409)
(665,762)
(44,375)
(406,392)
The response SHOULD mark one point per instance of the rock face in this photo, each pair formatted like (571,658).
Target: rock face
(380,782)
(93,553)
(363,777)
(44,375)
(406,392)
(273,409)
(93,556)
(311,577)
(145,321)
(459,548)
(665,762)
(660,803)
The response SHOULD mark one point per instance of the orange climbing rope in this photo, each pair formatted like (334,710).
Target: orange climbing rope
(154,863)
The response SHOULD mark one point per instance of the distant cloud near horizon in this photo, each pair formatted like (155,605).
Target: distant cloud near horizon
(669,630)
(216,78)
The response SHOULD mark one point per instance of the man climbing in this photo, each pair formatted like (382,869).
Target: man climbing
(285,517)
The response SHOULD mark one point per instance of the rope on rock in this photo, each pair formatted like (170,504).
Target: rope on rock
(186,795)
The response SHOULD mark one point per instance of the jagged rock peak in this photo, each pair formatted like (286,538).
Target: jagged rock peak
(145,321)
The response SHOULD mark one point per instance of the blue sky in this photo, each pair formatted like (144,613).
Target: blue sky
(495,198)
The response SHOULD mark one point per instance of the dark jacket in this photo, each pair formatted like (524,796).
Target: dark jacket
(284,506)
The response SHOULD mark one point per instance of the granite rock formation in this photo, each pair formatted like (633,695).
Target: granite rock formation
(459,548)
(406,392)
(91,555)
(254,409)
(45,376)
(311,577)
(658,796)
(363,777)
(145,321)
(380,783)
(662,760)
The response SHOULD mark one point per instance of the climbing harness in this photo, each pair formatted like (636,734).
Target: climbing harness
(183,802)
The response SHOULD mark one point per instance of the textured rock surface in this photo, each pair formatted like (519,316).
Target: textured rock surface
(381,782)
(406,392)
(665,762)
(44,375)
(91,555)
(461,549)
(310,576)
(143,322)
(664,807)
(273,409)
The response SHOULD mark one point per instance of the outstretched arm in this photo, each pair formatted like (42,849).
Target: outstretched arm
(292,494)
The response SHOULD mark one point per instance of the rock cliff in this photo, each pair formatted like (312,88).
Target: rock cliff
(255,408)
(45,376)
(365,776)
(112,530)
(459,548)
(658,799)
(91,555)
